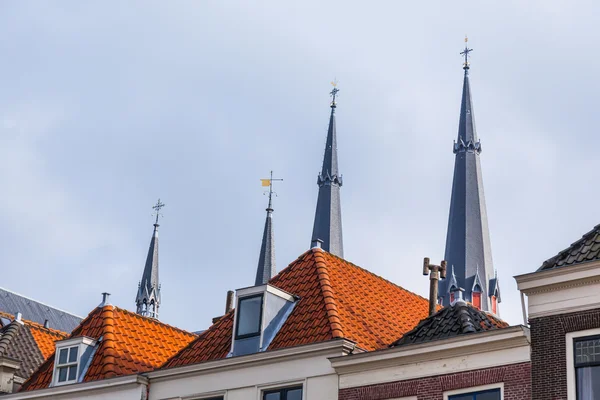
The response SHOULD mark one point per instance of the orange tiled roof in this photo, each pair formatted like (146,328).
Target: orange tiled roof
(130,344)
(337,300)
(44,337)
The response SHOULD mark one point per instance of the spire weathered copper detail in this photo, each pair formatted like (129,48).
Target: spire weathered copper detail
(266,260)
(148,299)
(468,248)
(328,216)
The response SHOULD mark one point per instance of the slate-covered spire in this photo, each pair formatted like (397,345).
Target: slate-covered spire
(148,295)
(266,260)
(468,248)
(328,216)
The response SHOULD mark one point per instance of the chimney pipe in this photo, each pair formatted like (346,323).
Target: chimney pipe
(229,301)
(46,324)
(317,243)
(105,302)
(435,272)
(18,316)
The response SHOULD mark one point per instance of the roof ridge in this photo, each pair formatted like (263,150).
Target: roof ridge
(153,320)
(108,342)
(333,316)
(376,276)
(36,325)
(42,303)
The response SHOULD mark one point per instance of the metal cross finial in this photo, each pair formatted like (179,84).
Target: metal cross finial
(465,53)
(334,92)
(270,192)
(157,208)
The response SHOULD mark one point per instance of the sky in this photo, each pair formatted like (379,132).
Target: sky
(107,106)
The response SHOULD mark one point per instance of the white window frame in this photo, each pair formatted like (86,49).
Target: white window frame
(471,389)
(570,353)
(81,343)
(281,385)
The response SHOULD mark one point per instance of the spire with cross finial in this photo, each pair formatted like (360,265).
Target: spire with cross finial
(266,259)
(148,298)
(328,216)
(468,247)
(465,53)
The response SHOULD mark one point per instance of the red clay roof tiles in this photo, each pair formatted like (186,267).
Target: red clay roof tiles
(337,299)
(130,344)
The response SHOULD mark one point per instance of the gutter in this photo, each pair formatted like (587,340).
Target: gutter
(79,387)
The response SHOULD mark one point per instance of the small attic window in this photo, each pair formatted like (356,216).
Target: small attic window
(249,317)
(66,366)
(71,359)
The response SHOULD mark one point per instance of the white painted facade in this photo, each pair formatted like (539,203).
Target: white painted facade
(464,353)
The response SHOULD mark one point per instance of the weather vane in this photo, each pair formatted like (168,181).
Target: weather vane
(269,182)
(157,208)
(334,92)
(465,53)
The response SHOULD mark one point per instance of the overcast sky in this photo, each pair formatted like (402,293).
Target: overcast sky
(107,106)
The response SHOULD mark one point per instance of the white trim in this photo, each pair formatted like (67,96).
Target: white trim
(476,389)
(557,277)
(207,367)
(222,393)
(570,354)
(79,387)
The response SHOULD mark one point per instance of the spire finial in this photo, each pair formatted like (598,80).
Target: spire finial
(465,53)
(269,183)
(157,208)
(334,92)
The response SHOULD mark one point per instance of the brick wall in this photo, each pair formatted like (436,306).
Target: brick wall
(548,351)
(516,378)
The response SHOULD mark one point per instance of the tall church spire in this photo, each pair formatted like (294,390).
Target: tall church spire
(266,260)
(147,300)
(328,216)
(468,249)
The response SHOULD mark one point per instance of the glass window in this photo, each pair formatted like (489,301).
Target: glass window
(294,393)
(587,367)
(66,366)
(249,316)
(493,394)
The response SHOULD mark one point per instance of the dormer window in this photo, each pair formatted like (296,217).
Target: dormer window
(71,358)
(66,365)
(476,296)
(260,313)
(249,317)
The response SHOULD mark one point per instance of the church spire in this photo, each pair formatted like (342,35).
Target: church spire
(266,260)
(147,300)
(328,216)
(468,248)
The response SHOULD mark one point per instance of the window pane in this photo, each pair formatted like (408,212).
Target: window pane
(588,383)
(62,356)
(295,394)
(491,395)
(272,396)
(462,397)
(249,316)
(62,374)
(73,354)
(587,351)
(72,372)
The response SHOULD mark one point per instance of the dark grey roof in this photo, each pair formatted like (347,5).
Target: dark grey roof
(455,320)
(584,250)
(468,248)
(149,287)
(328,216)
(266,260)
(18,343)
(35,311)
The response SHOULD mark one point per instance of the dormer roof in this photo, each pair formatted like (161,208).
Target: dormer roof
(336,299)
(127,343)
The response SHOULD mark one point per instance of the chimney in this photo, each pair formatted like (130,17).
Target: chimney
(316,244)
(229,301)
(46,324)
(105,301)
(18,317)
(435,272)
